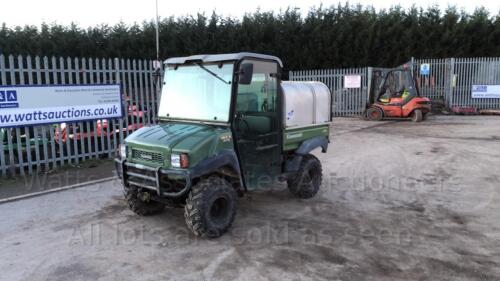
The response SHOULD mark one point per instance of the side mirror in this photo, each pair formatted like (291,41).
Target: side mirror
(246,73)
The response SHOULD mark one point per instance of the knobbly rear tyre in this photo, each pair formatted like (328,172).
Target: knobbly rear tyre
(307,182)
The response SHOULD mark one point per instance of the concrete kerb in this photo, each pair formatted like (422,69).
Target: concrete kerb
(36,194)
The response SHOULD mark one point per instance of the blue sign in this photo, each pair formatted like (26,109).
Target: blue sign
(425,69)
(486,91)
(27,105)
(480,88)
(8,99)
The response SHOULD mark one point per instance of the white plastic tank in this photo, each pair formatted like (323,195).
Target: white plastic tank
(305,103)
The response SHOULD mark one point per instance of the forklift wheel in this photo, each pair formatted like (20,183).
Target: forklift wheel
(210,207)
(424,116)
(308,179)
(374,114)
(417,115)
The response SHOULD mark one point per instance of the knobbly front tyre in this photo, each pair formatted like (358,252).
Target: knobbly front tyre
(140,202)
(210,207)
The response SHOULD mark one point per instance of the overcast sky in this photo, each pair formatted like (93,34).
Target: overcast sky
(92,12)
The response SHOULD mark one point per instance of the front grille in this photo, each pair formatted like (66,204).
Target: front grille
(153,157)
(148,179)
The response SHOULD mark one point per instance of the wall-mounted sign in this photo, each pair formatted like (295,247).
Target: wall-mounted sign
(156,64)
(352,81)
(486,91)
(425,69)
(35,105)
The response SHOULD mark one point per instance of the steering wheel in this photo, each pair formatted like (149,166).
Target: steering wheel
(265,106)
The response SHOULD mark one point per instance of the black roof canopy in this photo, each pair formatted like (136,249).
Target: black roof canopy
(221,57)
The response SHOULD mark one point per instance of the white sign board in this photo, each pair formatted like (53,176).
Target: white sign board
(352,81)
(156,64)
(425,69)
(35,105)
(486,91)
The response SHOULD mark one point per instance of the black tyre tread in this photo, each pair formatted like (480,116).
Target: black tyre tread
(140,207)
(294,184)
(424,116)
(196,205)
(417,115)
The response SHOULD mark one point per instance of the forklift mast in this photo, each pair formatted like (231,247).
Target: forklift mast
(395,80)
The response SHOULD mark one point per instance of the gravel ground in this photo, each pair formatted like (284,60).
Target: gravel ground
(399,201)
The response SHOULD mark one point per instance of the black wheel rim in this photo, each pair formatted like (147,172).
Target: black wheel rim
(219,210)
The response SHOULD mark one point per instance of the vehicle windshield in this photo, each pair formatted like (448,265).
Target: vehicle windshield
(193,92)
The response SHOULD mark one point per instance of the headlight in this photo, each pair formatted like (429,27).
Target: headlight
(179,160)
(175,160)
(123,151)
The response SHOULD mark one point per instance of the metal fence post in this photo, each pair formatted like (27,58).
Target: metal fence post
(412,66)
(450,90)
(369,82)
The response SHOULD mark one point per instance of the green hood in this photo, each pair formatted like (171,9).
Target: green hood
(154,145)
(165,136)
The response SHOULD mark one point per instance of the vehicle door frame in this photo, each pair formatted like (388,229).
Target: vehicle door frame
(279,111)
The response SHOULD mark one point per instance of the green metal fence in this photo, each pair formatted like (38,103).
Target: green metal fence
(37,148)
(346,100)
(452,79)
(449,80)
(30,149)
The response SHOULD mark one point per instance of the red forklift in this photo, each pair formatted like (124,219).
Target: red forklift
(393,93)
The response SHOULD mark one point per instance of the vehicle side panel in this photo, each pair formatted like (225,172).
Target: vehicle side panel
(416,103)
(293,137)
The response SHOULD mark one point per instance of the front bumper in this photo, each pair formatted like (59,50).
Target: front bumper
(152,178)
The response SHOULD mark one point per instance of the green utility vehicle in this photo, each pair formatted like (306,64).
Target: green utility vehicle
(228,125)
